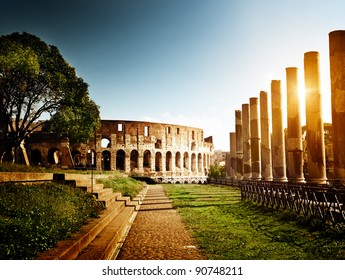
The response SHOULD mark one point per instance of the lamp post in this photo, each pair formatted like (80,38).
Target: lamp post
(92,163)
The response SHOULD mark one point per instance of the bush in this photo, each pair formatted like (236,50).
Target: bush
(34,217)
(217,171)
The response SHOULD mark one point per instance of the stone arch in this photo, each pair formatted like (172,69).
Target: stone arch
(120,160)
(54,156)
(158,144)
(158,161)
(186,160)
(193,162)
(168,161)
(76,156)
(105,142)
(36,157)
(91,158)
(199,162)
(193,146)
(134,157)
(147,159)
(106,160)
(178,160)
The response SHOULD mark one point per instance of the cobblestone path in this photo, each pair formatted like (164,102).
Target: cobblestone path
(158,232)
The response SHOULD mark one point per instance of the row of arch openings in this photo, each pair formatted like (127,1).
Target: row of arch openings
(197,161)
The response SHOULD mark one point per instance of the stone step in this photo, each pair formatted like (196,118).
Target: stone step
(101,193)
(70,249)
(110,198)
(126,199)
(103,246)
(109,229)
(98,186)
(89,188)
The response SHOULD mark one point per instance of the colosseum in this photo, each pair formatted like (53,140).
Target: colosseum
(166,153)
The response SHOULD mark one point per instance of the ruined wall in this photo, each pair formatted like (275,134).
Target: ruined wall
(49,149)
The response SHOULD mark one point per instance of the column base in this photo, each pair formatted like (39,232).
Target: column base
(267,179)
(283,180)
(322,181)
(296,180)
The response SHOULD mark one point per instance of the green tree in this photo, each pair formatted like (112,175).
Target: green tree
(78,116)
(217,171)
(36,81)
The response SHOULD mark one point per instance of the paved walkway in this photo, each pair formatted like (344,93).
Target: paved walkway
(158,232)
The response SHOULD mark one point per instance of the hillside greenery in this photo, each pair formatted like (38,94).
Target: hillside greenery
(34,217)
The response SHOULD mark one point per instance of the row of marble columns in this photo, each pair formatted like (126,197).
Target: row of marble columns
(256,154)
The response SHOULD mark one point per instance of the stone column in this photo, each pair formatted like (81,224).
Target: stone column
(278,140)
(247,162)
(255,138)
(337,67)
(314,122)
(98,150)
(294,131)
(113,152)
(233,155)
(181,164)
(173,165)
(140,163)
(152,161)
(266,163)
(189,159)
(239,145)
(128,162)
(164,169)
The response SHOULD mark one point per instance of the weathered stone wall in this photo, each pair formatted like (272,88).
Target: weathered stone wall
(49,149)
(169,153)
(157,150)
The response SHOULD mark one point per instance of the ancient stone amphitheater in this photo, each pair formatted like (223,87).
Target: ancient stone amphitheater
(164,152)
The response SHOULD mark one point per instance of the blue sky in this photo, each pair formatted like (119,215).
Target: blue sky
(188,62)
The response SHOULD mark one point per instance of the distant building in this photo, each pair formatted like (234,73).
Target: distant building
(220,157)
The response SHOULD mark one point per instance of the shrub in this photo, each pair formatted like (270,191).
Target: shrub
(34,217)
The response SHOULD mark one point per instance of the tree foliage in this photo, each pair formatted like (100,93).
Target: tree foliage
(78,116)
(217,171)
(36,81)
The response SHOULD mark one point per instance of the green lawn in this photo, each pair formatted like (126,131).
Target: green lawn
(228,228)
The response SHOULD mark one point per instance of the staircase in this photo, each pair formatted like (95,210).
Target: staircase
(102,237)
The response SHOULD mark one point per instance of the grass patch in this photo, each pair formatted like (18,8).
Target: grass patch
(228,228)
(126,185)
(13,167)
(34,217)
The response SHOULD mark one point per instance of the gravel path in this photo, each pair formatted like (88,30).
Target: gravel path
(158,232)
